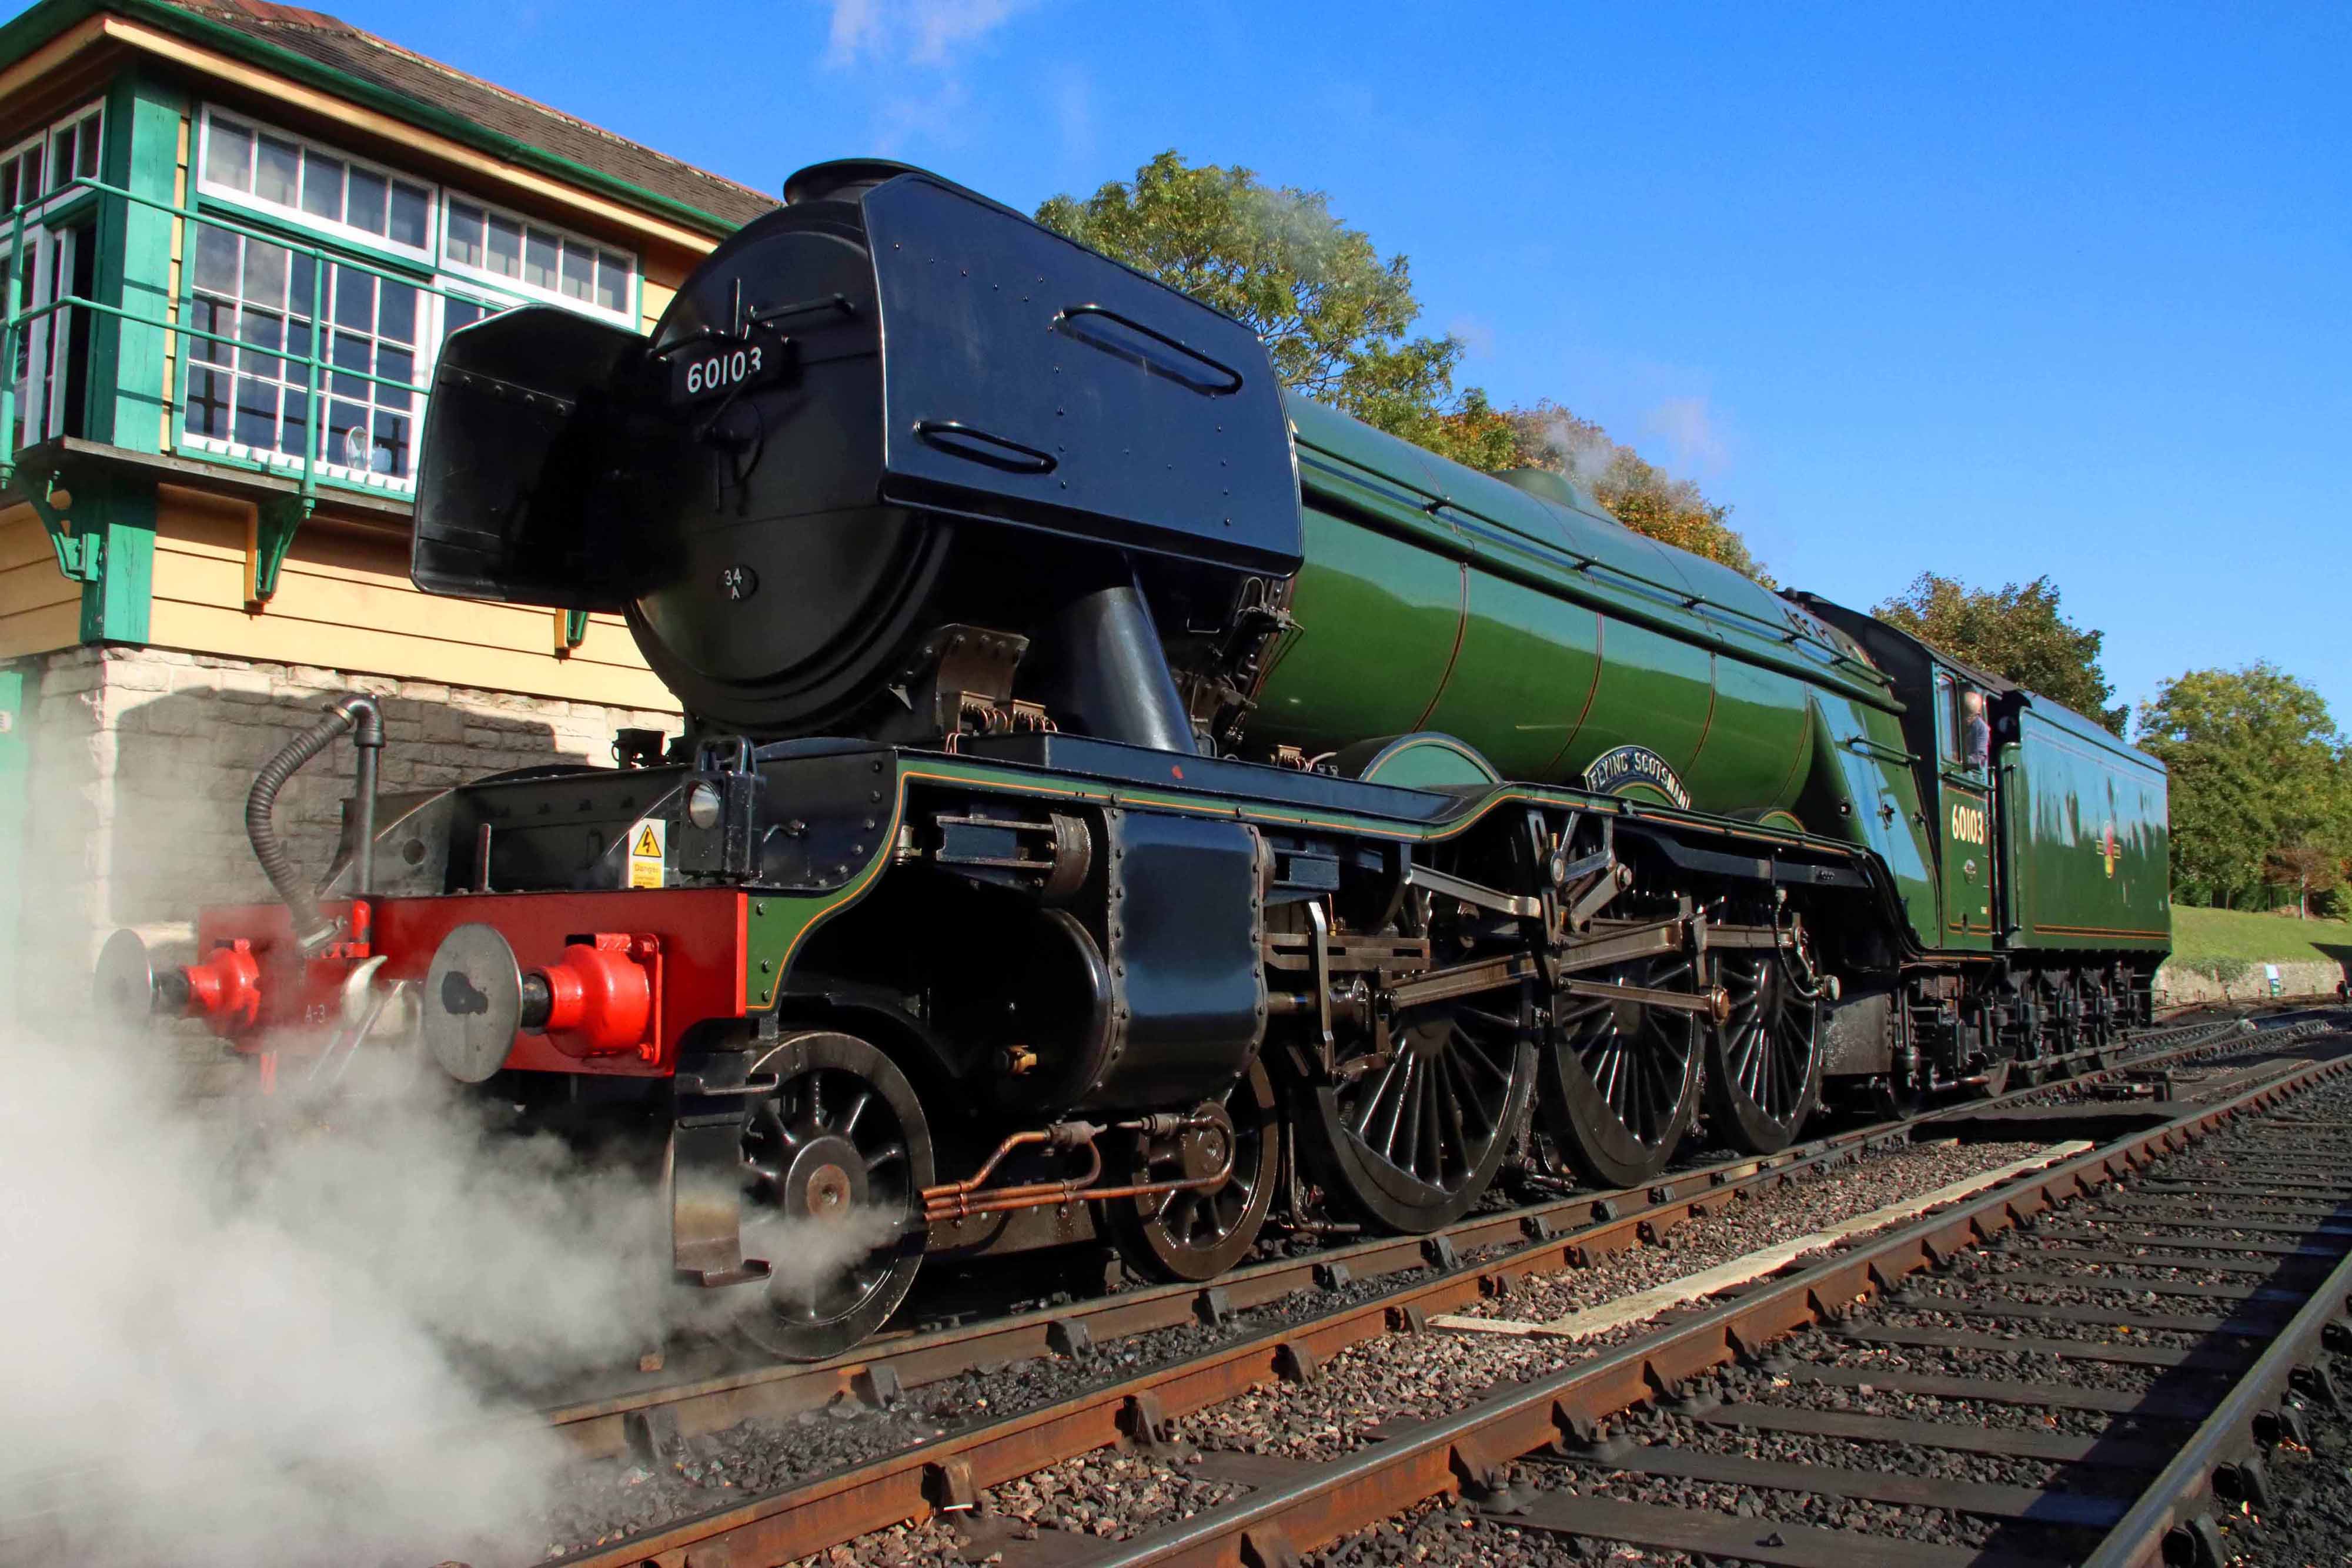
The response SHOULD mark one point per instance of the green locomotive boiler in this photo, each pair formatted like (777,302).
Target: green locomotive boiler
(1122,802)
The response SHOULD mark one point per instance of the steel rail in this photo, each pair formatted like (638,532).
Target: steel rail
(1465,1452)
(2174,1502)
(1600,1222)
(949,1472)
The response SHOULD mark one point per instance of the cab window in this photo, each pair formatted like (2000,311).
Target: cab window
(1976,750)
(1948,718)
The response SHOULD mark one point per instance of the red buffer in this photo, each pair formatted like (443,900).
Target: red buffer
(601,996)
(224,990)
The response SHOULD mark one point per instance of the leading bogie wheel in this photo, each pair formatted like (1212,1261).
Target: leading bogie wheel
(1198,1233)
(835,1161)
(1620,1075)
(1763,1055)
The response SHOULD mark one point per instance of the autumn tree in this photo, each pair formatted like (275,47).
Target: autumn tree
(2014,633)
(2258,771)
(1640,495)
(2313,873)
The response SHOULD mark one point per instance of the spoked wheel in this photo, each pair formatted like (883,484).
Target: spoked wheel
(1763,1059)
(1414,1139)
(1620,1077)
(1198,1234)
(834,1162)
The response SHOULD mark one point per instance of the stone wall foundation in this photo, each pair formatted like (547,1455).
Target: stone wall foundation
(140,760)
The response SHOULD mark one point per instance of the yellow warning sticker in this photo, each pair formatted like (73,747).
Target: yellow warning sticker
(645,845)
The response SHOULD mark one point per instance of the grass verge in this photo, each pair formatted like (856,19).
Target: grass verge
(2205,936)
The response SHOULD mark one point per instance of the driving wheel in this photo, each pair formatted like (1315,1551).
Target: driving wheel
(1763,1058)
(1620,1075)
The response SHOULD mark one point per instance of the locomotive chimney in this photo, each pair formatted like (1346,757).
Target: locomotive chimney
(841,177)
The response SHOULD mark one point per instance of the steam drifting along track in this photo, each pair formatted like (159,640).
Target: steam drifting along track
(947,1474)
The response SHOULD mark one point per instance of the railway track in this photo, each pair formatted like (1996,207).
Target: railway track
(1090,1403)
(612,1421)
(2148,1332)
(1117,1370)
(2133,1438)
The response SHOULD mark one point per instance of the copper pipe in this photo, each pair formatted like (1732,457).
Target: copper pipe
(954,1200)
(955,1203)
(950,1188)
(1050,1193)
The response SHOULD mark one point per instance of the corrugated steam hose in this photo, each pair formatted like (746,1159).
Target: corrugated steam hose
(313,929)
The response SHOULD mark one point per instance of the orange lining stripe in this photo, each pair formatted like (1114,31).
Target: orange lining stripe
(1461,630)
(1591,692)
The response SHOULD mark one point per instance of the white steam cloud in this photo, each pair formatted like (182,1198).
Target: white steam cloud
(1689,427)
(238,1349)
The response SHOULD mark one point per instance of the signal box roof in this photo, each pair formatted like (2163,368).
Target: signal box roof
(421,90)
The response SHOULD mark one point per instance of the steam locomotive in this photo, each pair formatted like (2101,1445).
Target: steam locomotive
(1123,801)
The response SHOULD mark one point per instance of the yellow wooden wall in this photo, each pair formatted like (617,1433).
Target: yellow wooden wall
(344,602)
(39,608)
(653,298)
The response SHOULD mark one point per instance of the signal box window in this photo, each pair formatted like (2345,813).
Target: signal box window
(327,190)
(457,260)
(52,350)
(255,398)
(539,259)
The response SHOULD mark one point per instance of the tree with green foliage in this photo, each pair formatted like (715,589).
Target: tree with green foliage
(2260,781)
(1337,318)
(2014,633)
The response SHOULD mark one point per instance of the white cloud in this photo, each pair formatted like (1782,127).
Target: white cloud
(912,31)
(1073,112)
(913,53)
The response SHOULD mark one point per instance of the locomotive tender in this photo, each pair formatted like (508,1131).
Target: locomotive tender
(1121,799)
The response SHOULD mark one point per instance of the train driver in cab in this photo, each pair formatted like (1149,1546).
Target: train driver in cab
(1976,734)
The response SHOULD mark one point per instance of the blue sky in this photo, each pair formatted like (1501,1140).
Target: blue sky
(1994,291)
